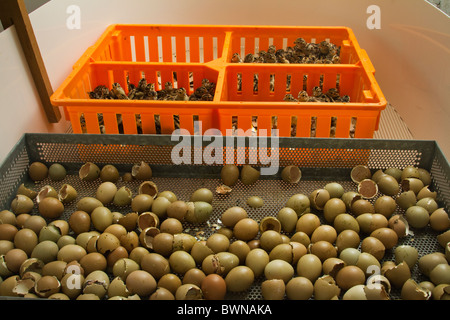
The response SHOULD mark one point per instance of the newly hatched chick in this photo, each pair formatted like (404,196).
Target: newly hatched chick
(181,95)
(236,58)
(118,92)
(249,58)
(303,96)
(289,98)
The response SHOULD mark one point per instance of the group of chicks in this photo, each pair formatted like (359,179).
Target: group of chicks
(332,95)
(323,52)
(147,91)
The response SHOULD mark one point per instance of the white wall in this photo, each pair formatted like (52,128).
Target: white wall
(410,52)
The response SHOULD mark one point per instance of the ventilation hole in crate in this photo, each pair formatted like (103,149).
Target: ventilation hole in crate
(158,81)
(293,126)
(239,82)
(146,49)
(274,122)
(175,80)
(305,82)
(83,123)
(255,83)
(191,82)
(254,123)
(338,82)
(313,126)
(285,43)
(176,121)
(256,46)
(196,122)
(234,124)
(174,48)
(133,48)
(101,123)
(242,47)
(321,81)
(215,48)
(157,124)
(288,83)
(119,122)
(138,123)
(272,83)
(353,127)
(201,49)
(160,49)
(333,127)
(187,49)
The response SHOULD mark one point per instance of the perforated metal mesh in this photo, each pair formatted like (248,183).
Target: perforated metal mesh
(321,161)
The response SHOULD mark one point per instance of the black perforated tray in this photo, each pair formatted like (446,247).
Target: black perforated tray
(321,161)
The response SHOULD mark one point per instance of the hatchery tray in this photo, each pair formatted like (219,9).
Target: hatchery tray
(321,161)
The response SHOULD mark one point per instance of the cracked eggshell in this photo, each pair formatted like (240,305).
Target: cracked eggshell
(440,274)
(21,204)
(229,174)
(318,198)
(46,286)
(256,260)
(123,267)
(307,223)
(141,203)
(89,172)
(249,175)
(97,282)
(291,174)
(8,285)
(239,279)
(188,292)
(396,274)
(141,171)
(105,192)
(148,187)
(26,191)
(109,173)
(439,220)
(88,204)
(38,171)
(412,291)
(123,197)
(355,293)
(406,253)
(399,224)
(325,288)
(118,288)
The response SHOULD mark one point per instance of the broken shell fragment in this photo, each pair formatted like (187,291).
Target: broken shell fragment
(359,173)
(249,175)
(89,171)
(123,196)
(21,204)
(146,220)
(412,291)
(291,174)
(67,193)
(223,189)
(148,187)
(27,191)
(367,188)
(270,223)
(141,171)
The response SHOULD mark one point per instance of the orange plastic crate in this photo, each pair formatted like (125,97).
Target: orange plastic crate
(184,55)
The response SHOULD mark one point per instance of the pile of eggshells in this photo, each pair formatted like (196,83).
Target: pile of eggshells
(329,244)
